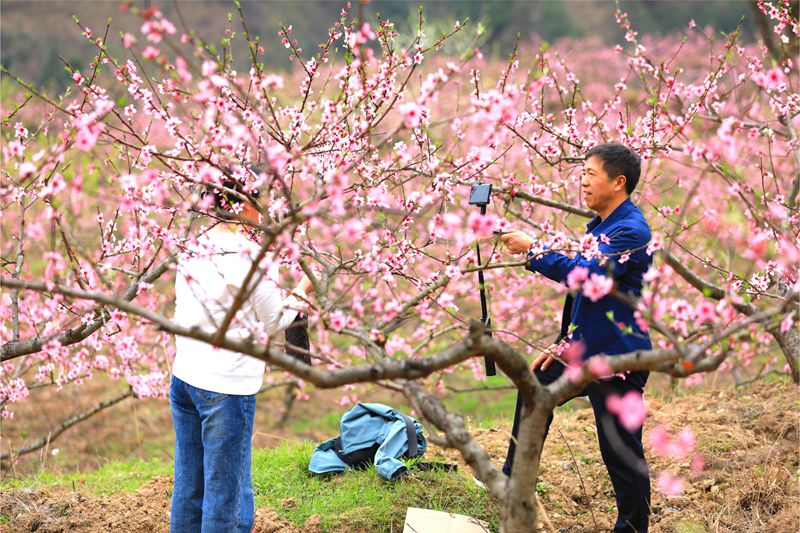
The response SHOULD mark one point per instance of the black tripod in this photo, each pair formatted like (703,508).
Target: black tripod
(479,195)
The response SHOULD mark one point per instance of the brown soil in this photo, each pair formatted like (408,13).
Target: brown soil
(139,427)
(749,437)
(144,511)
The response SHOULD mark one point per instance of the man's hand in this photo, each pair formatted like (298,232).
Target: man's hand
(517,242)
(545,359)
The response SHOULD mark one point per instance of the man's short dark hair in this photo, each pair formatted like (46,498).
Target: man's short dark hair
(619,160)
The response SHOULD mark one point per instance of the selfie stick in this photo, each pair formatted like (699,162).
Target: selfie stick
(479,195)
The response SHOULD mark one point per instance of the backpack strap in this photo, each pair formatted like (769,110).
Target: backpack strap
(412,437)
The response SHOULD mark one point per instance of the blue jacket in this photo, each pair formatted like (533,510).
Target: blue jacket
(629,233)
(365,425)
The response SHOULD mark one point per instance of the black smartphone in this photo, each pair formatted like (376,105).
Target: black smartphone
(480,193)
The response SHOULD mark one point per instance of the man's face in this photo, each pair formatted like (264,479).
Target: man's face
(599,190)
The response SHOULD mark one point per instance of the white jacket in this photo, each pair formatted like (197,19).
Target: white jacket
(208,278)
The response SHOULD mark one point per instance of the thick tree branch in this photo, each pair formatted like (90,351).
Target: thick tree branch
(666,360)
(791,200)
(587,213)
(476,343)
(457,436)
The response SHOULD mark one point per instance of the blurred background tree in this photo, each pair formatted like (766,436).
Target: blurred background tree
(34,33)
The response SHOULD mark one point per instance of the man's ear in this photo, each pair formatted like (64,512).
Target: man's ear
(621,182)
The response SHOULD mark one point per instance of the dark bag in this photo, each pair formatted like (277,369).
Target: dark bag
(364,457)
(296,336)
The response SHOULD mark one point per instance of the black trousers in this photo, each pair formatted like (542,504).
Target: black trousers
(621,449)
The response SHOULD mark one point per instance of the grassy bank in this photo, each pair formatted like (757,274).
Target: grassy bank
(748,437)
(353,501)
(360,500)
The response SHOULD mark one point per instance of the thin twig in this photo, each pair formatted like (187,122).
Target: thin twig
(580,477)
(17,271)
(66,424)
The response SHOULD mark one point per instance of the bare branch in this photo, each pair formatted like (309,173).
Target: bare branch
(65,425)
(248,285)
(457,436)
(706,287)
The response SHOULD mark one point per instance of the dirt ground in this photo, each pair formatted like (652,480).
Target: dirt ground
(146,510)
(749,437)
(133,428)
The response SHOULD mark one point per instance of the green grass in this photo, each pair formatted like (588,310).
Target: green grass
(112,477)
(328,423)
(482,408)
(352,501)
(358,500)
(691,527)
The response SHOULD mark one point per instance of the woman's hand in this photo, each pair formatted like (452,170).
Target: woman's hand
(305,286)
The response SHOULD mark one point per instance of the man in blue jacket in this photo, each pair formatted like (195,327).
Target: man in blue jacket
(607,325)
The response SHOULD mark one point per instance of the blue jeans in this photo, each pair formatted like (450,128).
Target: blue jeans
(213,488)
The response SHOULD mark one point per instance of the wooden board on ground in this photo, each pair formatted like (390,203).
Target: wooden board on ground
(428,521)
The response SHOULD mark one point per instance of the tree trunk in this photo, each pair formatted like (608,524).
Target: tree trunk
(789,341)
(790,344)
(518,512)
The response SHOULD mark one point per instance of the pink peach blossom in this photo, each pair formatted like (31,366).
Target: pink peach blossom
(670,484)
(150,52)
(598,365)
(630,409)
(576,277)
(597,287)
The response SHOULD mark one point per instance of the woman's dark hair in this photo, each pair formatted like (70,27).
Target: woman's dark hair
(619,160)
(224,200)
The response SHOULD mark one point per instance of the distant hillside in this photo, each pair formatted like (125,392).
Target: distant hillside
(35,32)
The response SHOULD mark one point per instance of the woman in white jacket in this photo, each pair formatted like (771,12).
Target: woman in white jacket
(212,393)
